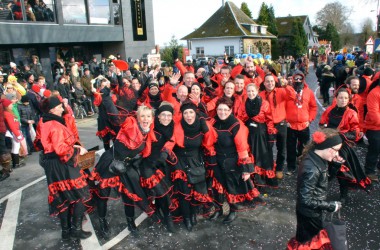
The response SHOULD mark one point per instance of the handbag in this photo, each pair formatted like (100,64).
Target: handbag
(337,231)
(195,174)
(117,167)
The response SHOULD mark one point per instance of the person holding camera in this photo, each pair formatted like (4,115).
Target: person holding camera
(312,184)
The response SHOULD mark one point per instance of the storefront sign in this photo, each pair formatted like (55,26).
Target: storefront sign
(138,20)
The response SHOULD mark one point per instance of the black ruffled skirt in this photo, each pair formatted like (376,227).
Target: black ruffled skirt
(67,184)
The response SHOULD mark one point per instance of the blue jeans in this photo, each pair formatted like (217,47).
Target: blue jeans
(26,132)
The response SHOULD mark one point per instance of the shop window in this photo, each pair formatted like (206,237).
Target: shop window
(99,11)
(74,11)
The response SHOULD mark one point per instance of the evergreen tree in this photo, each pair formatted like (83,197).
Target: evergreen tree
(333,36)
(272,25)
(167,52)
(267,17)
(263,18)
(299,39)
(245,9)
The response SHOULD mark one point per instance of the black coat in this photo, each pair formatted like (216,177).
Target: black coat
(312,184)
(26,114)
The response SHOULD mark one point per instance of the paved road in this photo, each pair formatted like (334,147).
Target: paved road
(25,223)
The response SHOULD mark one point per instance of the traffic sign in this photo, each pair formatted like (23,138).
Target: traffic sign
(377,45)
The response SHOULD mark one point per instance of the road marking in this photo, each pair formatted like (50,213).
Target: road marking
(123,233)
(92,242)
(8,227)
(21,189)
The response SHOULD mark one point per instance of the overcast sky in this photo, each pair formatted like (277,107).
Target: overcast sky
(181,17)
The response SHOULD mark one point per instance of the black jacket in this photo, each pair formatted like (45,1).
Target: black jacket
(26,114)
(312,184)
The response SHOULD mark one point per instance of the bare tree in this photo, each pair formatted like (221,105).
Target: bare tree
(347,36)
(334,13)
(366,31)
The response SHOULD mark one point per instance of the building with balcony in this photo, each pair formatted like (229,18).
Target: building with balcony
(74,28)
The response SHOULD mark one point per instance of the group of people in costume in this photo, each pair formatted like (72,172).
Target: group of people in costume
(182,146)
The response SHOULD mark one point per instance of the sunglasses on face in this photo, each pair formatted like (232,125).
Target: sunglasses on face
(298,79)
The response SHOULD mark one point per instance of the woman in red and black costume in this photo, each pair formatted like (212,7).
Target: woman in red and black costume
(68,188)
(132,142)
(234,165)
(193,139)
(109,119)
(154,171)
(261,131)
(344,117)
(312,184)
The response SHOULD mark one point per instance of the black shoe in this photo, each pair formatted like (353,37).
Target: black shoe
(104,229)
(131,225)
(193,219)
(66,234)
(168,221)
(188,224)
(4,176)
(216,215)
(230,217)
(76,231)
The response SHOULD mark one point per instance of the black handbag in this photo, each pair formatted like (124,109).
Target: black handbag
(195,174)
(117,167)
(337,231)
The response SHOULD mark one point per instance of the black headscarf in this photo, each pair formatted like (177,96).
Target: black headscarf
(165,131)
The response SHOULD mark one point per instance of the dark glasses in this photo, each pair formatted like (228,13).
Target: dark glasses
(298,79)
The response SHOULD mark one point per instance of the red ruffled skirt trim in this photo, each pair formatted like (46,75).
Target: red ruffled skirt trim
(179,174)
(267,173)
(239,198)
(104,132)
(320,241)
(152,181)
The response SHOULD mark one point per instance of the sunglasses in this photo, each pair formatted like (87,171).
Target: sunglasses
(298,79)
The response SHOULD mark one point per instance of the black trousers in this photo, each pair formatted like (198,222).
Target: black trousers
(325,92)
(295,143)
(281,145)
(372,159)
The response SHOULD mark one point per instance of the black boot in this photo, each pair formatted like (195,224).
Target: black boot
(230,217)
(65,225)
(217,213)
(131,225)
(76,231)
(104,229)
(168,221)
(188,224)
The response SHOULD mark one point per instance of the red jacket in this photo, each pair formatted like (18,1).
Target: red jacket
(278,110)
(300,117)
(57,138)
(350,121)
(372,118)
(12,123)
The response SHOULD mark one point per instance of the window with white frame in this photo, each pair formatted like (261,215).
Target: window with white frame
(200,50)
(229,50)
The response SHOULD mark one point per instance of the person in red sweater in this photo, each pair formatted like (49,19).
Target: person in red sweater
(13,134)
(372,124)
(5,156)
(250,71)
(277,97)
(301,110)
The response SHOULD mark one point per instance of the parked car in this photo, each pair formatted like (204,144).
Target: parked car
(199,60)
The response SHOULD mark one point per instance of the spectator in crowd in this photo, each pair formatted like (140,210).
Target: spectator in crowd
(27,120)
(36,66)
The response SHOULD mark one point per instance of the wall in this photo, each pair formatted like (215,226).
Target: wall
(215,46)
